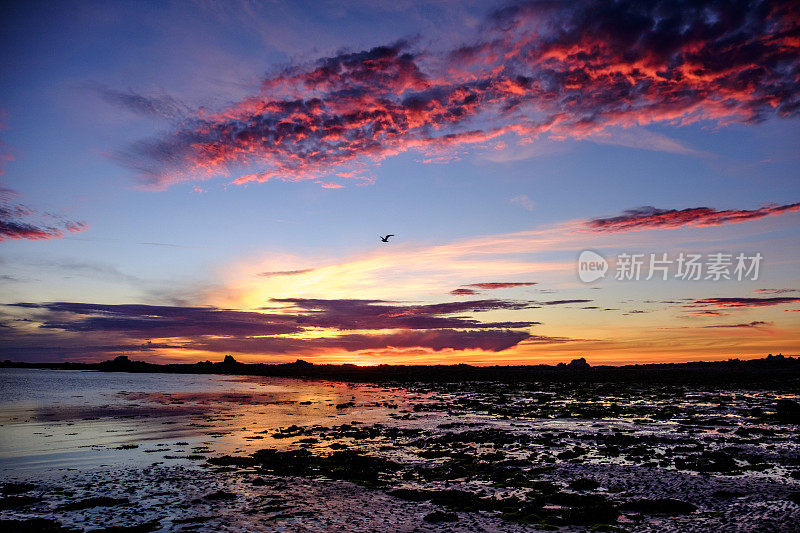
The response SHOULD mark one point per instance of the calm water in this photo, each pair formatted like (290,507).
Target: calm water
(59,419)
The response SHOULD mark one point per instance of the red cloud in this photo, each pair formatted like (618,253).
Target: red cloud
(742,302)
(648,217)
(501,285)
(570,69)
(466,290)
(463,292)
(13,227)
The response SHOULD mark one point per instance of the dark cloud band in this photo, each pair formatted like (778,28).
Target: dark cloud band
(349,325)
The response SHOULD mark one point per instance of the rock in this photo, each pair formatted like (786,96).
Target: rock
(788,411)
(577,500)
(716,461)
(35,525)
(457,500)
(574,453)
(15,502)
(593,514)
(194,519)
(666,506)
(220,495)
(440,516)
(145,527)
(17,488)
(232,460)
(584,484)
(98,501)
(723,494)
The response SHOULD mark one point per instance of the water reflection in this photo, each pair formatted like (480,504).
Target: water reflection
(62,418)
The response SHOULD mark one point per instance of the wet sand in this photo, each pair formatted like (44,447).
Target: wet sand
(220,453)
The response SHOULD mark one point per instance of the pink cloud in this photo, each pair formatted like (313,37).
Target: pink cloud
(645,218)
(463,292)
(534,69)
(501,285)
(13,225)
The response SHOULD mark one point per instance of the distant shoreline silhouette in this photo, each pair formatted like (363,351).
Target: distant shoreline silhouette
(778,370)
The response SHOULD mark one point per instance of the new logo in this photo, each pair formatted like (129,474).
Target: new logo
(591,266)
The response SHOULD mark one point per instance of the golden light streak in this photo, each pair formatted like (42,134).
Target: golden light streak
(412,272)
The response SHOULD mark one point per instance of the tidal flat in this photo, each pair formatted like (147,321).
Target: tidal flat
(96,451)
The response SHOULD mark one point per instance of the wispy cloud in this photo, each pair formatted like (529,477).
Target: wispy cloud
(754,324)
(707,313)
(648,217)
(501,284)
(564,302)
(470,288)
(275,273)
(156,105)
(16,219)
(13,225)
(742,302)
(644,139)
(776,291)
(523,201)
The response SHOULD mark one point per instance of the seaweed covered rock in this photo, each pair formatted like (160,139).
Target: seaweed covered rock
(788,411)
(453,499)
(349,465)
(17,488)
(440,516)
(96,501)
(663,506)
(35,525)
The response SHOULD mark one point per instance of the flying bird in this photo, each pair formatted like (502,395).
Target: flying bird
(386,238)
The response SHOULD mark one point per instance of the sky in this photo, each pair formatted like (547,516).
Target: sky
(611,180)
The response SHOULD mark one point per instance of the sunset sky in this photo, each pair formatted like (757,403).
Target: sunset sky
(185,180)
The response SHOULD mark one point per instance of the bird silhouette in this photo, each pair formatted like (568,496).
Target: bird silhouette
(386,238)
